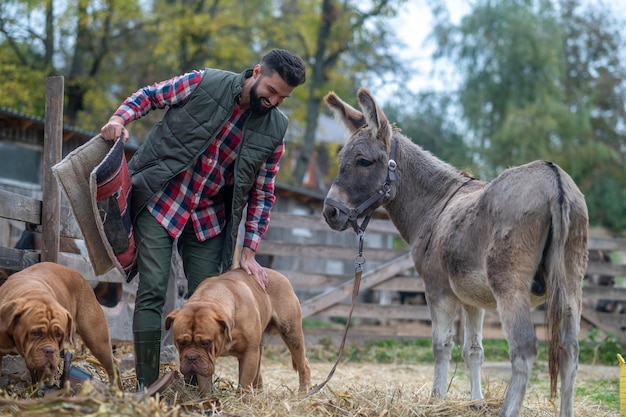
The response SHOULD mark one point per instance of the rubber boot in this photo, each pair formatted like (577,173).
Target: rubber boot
(147,357)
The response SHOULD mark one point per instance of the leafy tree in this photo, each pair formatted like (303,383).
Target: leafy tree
(176,36)
(107,49)
(430,124)
(345,42)
(543,80)
(62,38)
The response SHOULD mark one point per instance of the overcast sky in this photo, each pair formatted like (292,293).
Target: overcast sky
(414,24)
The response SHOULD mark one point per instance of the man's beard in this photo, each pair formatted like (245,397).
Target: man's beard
(255,102)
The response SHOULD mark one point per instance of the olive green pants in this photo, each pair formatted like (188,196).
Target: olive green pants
(154,255)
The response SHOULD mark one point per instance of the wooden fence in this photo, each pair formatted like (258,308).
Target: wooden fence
(391,271)
(323,295)
(298,245)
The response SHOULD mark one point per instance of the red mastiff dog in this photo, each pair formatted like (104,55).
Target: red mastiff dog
(228,315)
(41,307)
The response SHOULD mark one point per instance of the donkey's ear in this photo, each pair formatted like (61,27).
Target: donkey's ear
(351,117)
(376,119)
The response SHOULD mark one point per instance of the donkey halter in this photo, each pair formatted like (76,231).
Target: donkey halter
(374,201)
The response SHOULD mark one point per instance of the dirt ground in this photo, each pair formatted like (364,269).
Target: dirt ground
(416,377)
(416,380)
(411,382)
(357,385)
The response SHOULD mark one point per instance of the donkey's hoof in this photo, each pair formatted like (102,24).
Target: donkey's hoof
(478,405)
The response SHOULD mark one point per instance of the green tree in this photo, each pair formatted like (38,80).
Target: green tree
(543,80)
(107,49)
(176,36)
(72,39)
(344,42)
(430,124)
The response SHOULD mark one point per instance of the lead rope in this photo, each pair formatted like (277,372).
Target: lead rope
(358,271)
(381,195)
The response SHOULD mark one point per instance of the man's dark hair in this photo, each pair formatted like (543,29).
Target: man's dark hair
(287,64)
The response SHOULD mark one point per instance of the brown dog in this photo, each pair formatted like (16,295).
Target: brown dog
(228,315)
(40,309)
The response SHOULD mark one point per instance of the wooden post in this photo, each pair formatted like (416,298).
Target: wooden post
(52,148)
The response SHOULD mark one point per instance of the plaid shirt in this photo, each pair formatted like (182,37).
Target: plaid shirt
(195,193)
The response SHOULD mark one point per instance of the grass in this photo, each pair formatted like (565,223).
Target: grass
(602,392)
(596,349)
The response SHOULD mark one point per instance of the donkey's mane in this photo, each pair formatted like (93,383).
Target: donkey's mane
(435,174)
(423,182)
(430,163)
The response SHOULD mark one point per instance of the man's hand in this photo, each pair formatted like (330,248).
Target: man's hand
(249,264)
(114,129)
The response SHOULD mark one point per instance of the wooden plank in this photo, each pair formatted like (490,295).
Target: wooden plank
(416,284)
(615,321)
(598,319)
(593,293)
(284,220)
(17,259)
(538,317)
(304,280)
(376,311)
(406,284)
(378,275)
(52,148)
(268,247)
(18,207)
(406,312)
(612,244)
(288,220)
(605,268)
(81,264)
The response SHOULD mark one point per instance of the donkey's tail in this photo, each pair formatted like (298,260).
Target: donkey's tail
(566,263)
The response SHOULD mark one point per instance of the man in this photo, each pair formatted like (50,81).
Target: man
(215,151)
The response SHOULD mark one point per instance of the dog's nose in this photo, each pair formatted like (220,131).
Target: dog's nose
(49,351)
(192,357)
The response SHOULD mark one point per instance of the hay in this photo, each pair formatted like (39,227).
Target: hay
(357,389)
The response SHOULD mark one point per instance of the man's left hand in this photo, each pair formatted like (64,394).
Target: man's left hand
(249,264)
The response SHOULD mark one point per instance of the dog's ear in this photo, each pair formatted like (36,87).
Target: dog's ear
(170,318)
(9,313)
(227,323)
(70,330)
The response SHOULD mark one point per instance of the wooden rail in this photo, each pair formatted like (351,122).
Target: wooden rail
(387,270)
(394,273)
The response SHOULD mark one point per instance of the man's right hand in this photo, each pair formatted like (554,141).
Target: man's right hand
(114,129)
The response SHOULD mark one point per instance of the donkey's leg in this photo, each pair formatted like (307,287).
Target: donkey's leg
(569,356)
(473,353)
(514,313)
(443,314)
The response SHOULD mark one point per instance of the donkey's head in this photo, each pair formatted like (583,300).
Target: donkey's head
(363,182)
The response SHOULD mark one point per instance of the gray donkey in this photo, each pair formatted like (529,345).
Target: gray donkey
(506,245)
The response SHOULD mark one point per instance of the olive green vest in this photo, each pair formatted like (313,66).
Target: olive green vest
(185,132)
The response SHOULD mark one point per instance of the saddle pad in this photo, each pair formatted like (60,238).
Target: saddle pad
(96,182)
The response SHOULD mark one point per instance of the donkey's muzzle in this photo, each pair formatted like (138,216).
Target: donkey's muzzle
(335,218)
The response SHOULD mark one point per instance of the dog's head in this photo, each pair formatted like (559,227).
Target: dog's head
(38,331)
(202,333)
